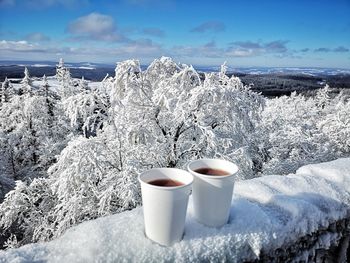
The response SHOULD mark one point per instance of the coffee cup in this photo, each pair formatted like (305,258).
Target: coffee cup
(212,190)
(165,193)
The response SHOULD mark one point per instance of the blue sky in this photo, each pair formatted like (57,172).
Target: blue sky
(299,33)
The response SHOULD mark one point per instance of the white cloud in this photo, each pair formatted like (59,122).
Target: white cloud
(250,49)
(211,50)
(95,26)
(139,49)
(19,46)
(146,48)
(240,53)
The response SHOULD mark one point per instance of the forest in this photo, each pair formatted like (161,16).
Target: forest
(71,150)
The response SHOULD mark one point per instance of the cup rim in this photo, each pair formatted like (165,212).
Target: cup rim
(212,176)
(163,187)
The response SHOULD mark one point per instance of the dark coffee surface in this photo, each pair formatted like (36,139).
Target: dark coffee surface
(211,171)
(165,182)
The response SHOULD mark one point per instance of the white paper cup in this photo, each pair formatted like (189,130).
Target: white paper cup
(212,194)
(164,208)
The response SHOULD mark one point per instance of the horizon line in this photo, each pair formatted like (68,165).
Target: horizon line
(147,64)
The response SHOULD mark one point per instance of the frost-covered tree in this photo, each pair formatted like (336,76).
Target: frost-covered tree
(169,111)
(336,127)
(105,84)
(104,187)
(45,83)
(322,97)
(6,91)
(300,130)
(25,213)
(29,139)
(83,85)
(86,182)
(26,87)
(49,97)
(64,78)
(26,79)
(61,70)
(87,111)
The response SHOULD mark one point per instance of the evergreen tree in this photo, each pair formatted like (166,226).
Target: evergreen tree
(6,91)
(322,97)
(60,70)
(26,82)
(83,85)
(64,77)
(49,99)
(45,83)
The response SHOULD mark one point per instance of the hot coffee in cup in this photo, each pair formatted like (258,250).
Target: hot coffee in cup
(165,193)
(212,190)
(165,182)
(211,171)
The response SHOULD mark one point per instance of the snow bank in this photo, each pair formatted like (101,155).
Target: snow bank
(267,213)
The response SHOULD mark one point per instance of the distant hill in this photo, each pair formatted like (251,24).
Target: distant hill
(269,81)
(277,84)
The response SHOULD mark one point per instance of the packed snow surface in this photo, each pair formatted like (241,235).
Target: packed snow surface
(266,213)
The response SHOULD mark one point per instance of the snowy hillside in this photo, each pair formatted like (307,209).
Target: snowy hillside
(267,213)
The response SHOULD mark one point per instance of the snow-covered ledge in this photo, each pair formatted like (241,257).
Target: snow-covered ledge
(273,218)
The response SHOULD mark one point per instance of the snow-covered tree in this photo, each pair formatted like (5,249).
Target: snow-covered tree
(322,97)
(336,127)
(64,78)
(6,91)
(45,83)
(83,85)
(49,97)
(104,187)
(87,111)
(26,79)
(29,138)
(169,111)
(105,84)
(61,70)
(300,130)
(26,82)
(86,182)
(25,213)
